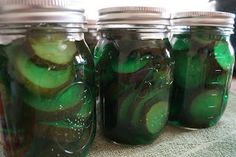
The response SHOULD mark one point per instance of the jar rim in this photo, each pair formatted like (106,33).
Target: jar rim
(18,13)
(203,18)
(135,15)
(208,29)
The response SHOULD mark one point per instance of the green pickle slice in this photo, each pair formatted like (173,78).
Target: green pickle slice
(53,48)
(156,116)
(144,110)
(137,111)
(223,55)
(39,79)
(206,107)
(68,98)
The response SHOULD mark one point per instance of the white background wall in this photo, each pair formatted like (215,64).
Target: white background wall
(91,6)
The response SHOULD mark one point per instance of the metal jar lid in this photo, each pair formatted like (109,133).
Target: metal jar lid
(133,16)
(203,18)
(41,11)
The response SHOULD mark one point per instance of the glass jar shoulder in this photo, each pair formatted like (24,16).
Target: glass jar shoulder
(127,47)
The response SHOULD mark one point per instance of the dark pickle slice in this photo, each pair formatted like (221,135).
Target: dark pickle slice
(51,49)
(65,131)
(63,104)
(155,117)
(206,108)
(223,55)
(38,79)
(136,60)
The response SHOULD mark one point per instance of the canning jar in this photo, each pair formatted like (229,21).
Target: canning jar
(228,6)
(204,61)
(46,81)
(134,71)
(92,36)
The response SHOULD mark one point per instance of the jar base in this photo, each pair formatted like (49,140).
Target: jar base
(117,141)
(182,126)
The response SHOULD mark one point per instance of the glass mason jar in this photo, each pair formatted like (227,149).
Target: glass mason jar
(134,72)
(228,6)
(46,82)
(92,36)
(204,61)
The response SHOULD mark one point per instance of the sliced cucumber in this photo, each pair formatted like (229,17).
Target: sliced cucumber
(156,117)
(39,79)
(151,97)
(66,99)
(52,48)
(206,107)
(223,55)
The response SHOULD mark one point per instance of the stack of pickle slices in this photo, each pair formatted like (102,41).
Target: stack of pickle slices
(51,104)
(136,91)
(203,68)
